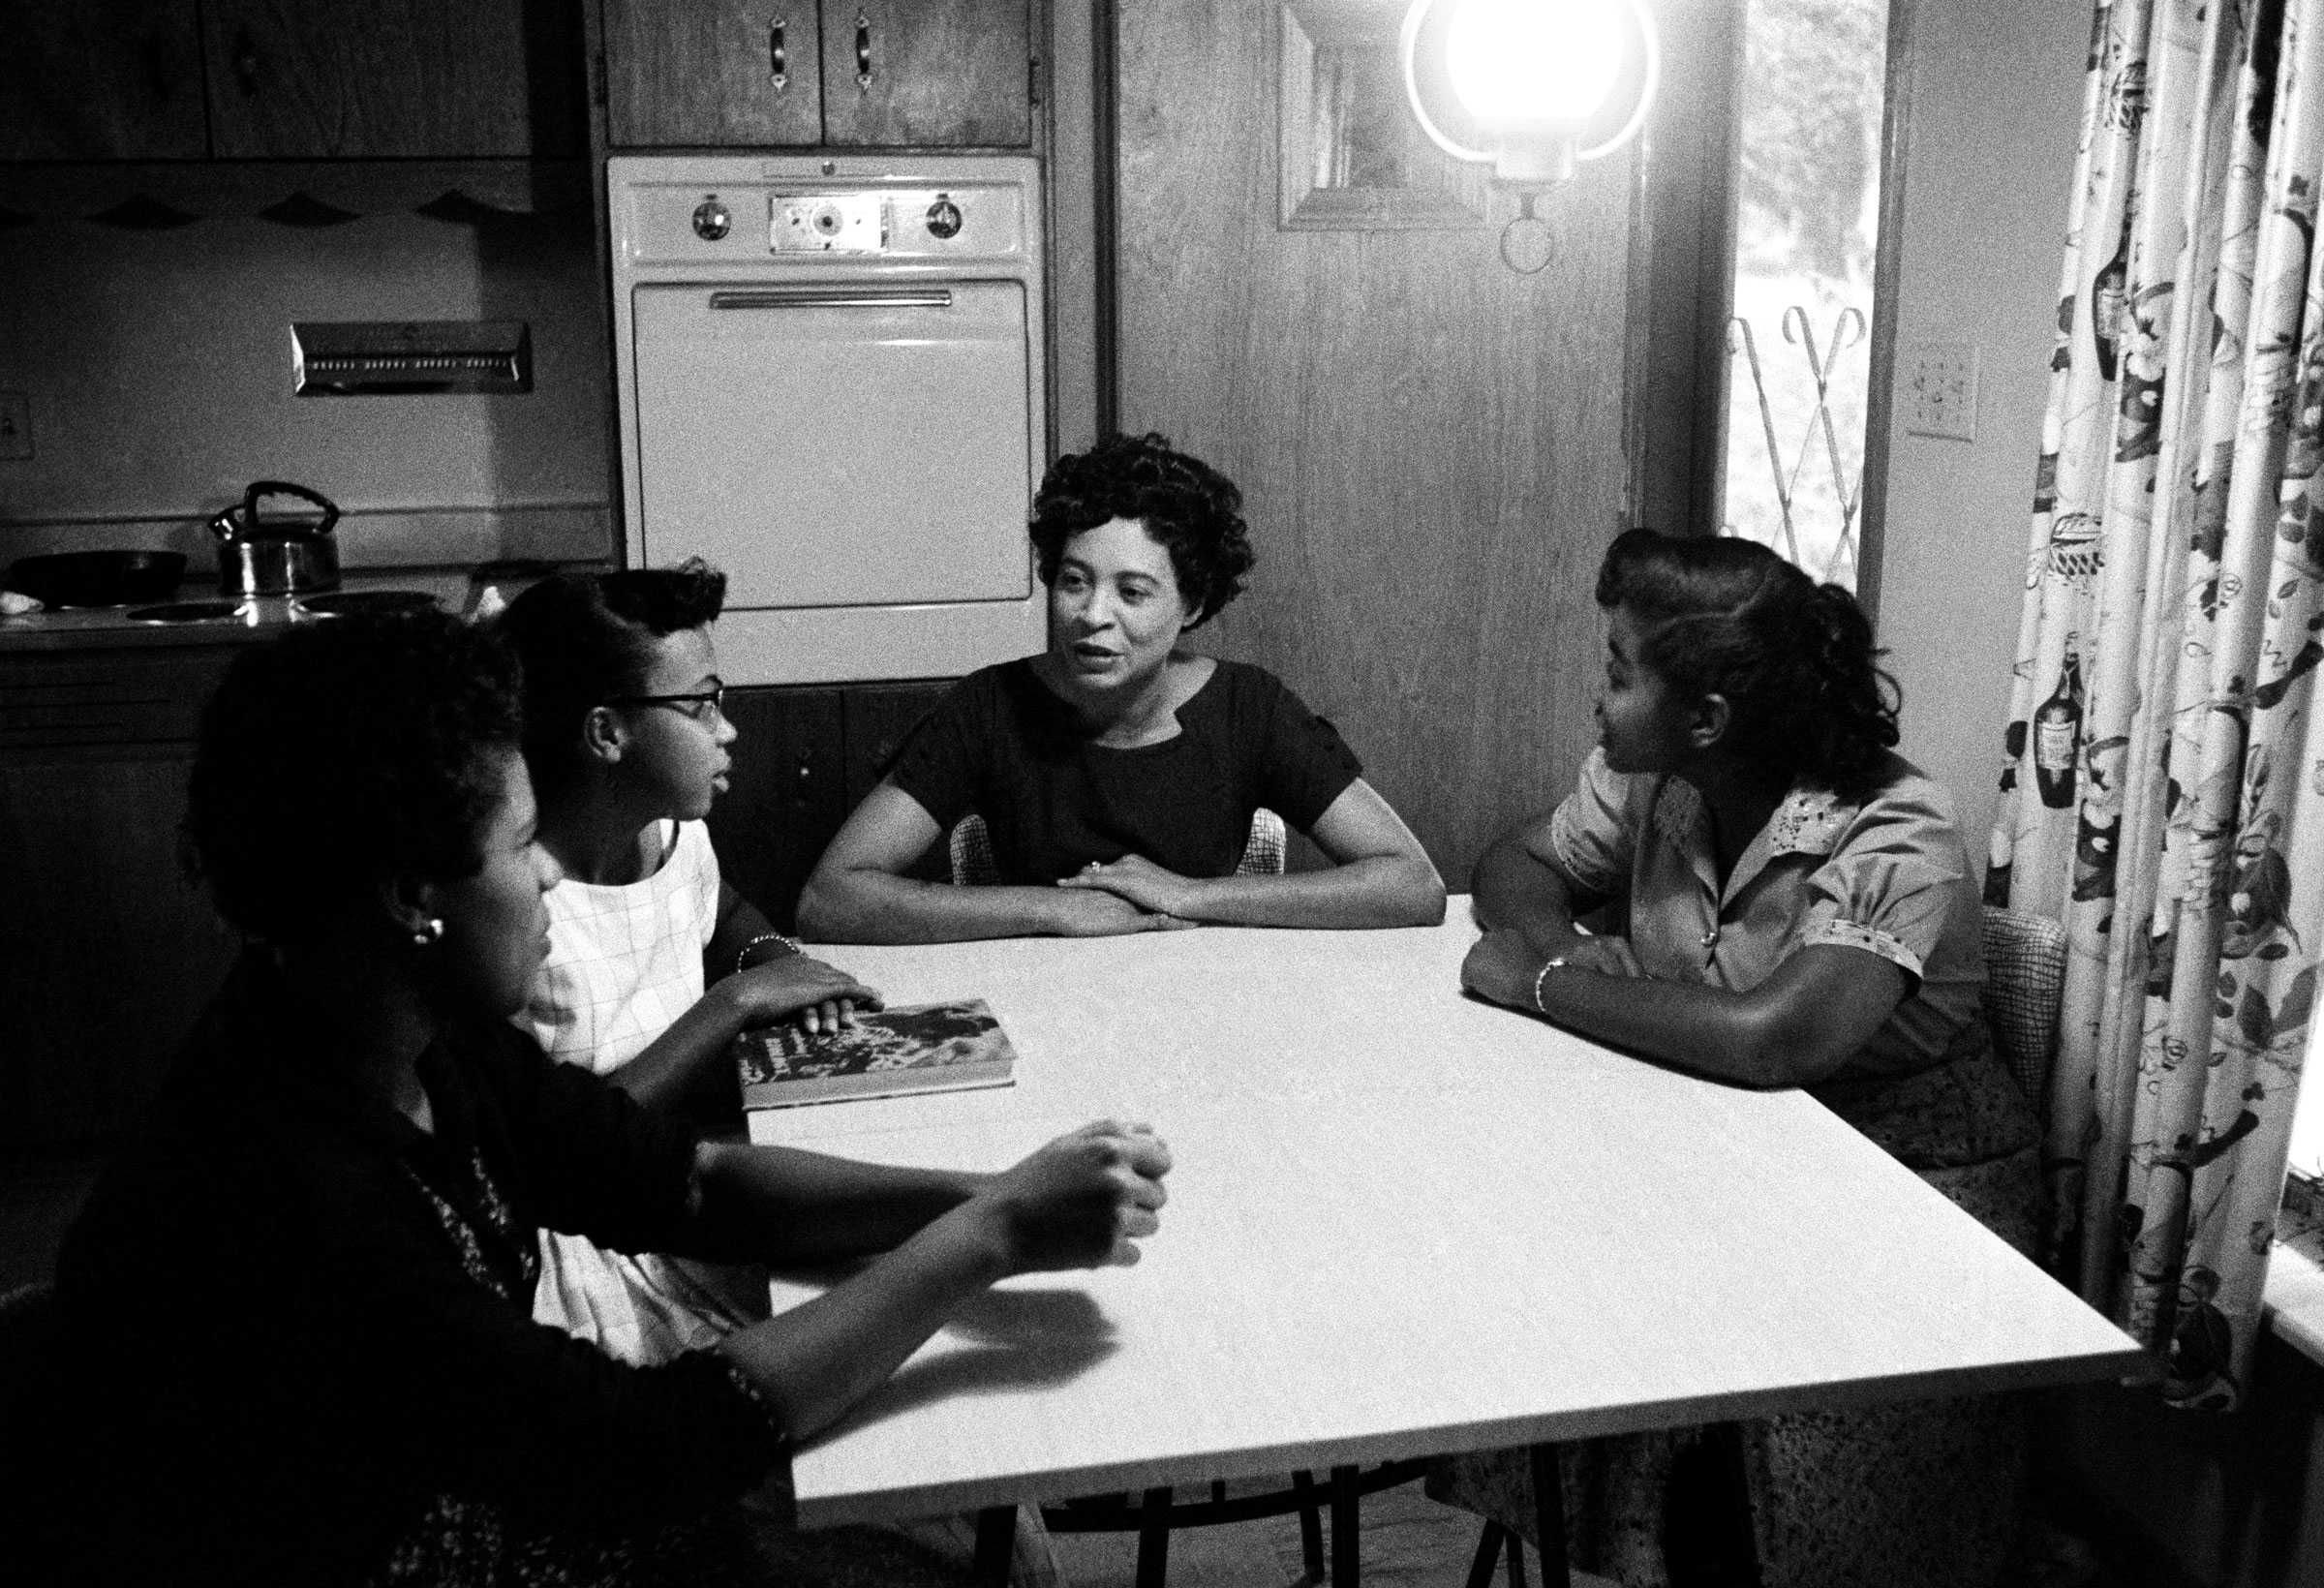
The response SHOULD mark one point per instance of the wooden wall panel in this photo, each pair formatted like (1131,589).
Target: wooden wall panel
(1429,443)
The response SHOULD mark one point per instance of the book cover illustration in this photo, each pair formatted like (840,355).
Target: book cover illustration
(928,1047)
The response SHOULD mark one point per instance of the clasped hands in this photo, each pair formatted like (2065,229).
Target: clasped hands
(1131,893)
(1505,964)
(1082,1202)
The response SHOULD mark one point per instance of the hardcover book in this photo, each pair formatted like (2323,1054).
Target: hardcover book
(928,1047)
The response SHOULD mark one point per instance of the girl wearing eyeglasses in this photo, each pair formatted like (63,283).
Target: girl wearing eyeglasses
(655,963)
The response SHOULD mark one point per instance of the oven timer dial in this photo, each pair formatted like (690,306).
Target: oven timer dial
(943,217)
(711,221)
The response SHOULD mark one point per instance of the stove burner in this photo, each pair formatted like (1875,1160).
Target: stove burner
(366,600)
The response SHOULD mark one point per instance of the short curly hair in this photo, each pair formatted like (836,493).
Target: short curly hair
(367,749)
(1192,511)
(1793,659)
(584,638)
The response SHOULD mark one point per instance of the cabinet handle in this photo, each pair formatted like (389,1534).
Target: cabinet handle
(863,52)
(246,63)
(779,59)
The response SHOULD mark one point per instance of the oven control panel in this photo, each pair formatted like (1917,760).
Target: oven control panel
(685,224)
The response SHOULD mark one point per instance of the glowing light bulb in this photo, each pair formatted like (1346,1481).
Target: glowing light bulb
(1534,60)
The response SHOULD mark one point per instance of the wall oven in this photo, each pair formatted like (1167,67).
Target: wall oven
(831,379)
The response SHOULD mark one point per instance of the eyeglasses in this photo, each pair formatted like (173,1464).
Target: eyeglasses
(701,705)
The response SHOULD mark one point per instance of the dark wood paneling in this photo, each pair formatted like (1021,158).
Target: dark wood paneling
(102,79)
(1431,446)
(442,79)
(679,73)
(786,795)
(942,71)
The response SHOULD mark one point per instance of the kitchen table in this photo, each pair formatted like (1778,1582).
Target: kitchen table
(1401,1223)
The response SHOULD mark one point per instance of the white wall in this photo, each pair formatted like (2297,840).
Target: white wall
(1996,107)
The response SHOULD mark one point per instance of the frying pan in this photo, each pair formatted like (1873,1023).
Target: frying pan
(98,578)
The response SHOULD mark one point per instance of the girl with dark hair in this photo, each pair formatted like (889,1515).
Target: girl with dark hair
(303,1297)
(654,962)
(1802,902)
(1117,773)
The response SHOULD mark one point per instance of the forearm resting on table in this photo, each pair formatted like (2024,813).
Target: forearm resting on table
(1796,1028)
(818,1360)
(862,905)
(1517,887)
(1372,891)
(784,1205)
(670,1066)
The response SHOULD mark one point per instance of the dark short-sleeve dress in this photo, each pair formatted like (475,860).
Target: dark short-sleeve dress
(1005,747)
(297,1335)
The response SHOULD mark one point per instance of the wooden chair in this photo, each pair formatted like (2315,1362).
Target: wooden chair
(2025,985)
(1262,851)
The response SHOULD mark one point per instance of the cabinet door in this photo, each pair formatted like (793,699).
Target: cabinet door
(107,953)
(444,80)
(719,74)
(784,796)
(901,73)
(880,716)
(102,79)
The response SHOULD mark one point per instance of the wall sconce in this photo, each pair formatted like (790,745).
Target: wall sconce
(1530,88)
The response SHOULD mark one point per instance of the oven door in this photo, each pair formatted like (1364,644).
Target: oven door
(837,443)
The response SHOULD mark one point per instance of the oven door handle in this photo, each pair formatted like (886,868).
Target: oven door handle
(832,297)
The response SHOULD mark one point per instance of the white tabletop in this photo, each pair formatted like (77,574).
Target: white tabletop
(1400,1223)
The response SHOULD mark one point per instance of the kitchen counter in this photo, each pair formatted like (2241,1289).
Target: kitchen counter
(111,628)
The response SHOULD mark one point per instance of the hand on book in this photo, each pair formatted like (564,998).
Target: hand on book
(1083,1201)
(821,998)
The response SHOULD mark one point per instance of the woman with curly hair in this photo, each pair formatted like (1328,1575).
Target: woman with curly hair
(1802,901)
(1117,772)
(302,1300)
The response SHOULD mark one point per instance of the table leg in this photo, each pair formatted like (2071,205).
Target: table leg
(1345,1538)
(1153,1538)
(995,1544)
(1550,1517)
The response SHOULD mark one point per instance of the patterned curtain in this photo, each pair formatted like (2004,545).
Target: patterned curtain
(2160,794)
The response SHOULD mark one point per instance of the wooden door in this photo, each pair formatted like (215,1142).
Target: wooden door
(102,79)
(786,797)
(442,79)
(1429,443)
(716,74)
(942,73)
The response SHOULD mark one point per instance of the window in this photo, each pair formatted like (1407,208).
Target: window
(1809,114)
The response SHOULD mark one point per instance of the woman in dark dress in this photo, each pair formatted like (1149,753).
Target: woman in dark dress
(1117,773)
(295,1315)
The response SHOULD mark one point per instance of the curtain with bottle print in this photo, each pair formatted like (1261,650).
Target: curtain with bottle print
(2161,794)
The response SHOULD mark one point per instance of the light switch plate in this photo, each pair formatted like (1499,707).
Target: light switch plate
(1941,390)
(16,427)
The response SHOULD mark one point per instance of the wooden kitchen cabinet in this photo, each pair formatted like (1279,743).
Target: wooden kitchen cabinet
(102,79)
(442,80)
(805,756)
(290,80)
(846,74)
(106,952)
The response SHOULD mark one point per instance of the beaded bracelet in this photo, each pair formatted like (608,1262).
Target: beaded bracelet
(1558,963)
(790,946)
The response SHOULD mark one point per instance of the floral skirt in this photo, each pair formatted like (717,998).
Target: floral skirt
(1914,1494)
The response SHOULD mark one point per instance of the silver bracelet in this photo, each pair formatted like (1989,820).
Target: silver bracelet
(790,946)
(1555,963)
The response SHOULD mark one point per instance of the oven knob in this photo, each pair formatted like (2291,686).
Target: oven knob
(711,221)
(943,218)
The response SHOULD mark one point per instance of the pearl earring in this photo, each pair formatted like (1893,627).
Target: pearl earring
(429,934)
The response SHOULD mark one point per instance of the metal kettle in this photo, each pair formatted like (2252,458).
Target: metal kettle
(286,554)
